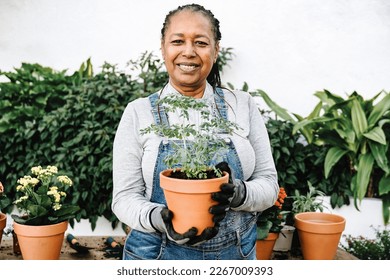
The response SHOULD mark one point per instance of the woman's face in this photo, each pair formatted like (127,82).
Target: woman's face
(189,50)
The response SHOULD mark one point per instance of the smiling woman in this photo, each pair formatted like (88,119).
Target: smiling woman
(190,44)
(190,49)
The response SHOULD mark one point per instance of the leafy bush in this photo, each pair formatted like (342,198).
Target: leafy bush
(27,94)
(369,249)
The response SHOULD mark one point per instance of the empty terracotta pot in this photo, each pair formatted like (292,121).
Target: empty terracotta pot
(319,234)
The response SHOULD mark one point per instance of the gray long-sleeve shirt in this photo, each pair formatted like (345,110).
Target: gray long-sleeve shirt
(134,157)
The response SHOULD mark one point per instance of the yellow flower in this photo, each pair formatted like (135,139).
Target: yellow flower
(36,170)
(65,180)
(56,206)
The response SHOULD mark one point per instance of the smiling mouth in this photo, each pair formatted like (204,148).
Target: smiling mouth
(188,67)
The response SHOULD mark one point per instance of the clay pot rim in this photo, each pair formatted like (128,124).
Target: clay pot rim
(36,230)
(333,223)
(191,185)
(307,216)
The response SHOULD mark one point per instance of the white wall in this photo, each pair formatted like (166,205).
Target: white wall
(290,49)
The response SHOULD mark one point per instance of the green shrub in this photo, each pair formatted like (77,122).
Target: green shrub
(369,249)
(26,96)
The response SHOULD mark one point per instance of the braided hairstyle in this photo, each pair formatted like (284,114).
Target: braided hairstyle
(214,77)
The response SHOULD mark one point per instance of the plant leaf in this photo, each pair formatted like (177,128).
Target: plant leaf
(359,120)
(384,185)
(363,175)
(281,112)
(376,134)
(379,110)
(332,157)
(379,153)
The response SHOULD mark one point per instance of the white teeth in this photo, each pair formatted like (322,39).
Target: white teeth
(187,68)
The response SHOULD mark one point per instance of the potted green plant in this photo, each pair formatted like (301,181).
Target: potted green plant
(269,225)
(319,232)
(44,212)
(353,129)
(199,150)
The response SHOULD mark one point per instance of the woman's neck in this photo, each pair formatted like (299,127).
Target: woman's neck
(195,92)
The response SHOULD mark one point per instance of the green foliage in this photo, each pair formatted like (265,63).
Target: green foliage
(43,197)
(288,153)
(201,146)
(353,131)
(309,202)
(26,95)
(369,249)
(272,218)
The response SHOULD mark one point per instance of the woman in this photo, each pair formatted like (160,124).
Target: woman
(189,44)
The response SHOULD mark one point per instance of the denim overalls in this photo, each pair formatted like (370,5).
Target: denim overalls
(236,238)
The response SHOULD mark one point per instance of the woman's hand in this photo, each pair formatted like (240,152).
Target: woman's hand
(161,220)
(232,195)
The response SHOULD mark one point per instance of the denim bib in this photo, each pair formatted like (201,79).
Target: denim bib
(237,233)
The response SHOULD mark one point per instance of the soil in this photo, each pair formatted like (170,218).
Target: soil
(181,175)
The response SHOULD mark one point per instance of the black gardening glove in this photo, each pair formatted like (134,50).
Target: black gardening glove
(161,220)
(206,234)
(232,195)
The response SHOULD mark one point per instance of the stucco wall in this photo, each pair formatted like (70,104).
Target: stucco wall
(290,49)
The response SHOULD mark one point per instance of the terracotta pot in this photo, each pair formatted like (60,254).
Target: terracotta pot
(319,234)
(190,200)
(40,242)
(3,222)
(264,247)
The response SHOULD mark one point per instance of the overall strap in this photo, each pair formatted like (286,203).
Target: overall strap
(220,103)
(159,114)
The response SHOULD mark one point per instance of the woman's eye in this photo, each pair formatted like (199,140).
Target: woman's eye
(177,42)
(201,43)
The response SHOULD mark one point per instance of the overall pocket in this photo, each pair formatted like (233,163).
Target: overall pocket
(247,246)
(143,246)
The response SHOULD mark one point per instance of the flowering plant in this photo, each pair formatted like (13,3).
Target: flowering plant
(271,219)
(42,197)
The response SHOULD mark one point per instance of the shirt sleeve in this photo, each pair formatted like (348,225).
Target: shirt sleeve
(262,187)
(129,202)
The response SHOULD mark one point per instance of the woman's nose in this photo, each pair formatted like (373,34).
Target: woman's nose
(189,50)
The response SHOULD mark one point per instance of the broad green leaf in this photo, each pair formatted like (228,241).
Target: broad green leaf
(379,153)
(332,157)
(379,110)
(364,169)
(384,185)
(376,134)
(359,120)
(382,122)
(281,112)
(316,112)
(37,210)
(328,98)
(299,125)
